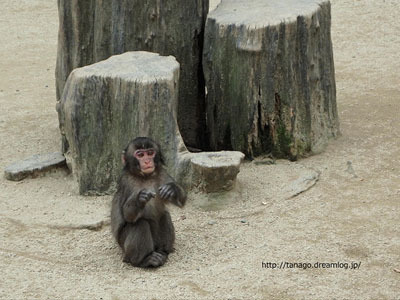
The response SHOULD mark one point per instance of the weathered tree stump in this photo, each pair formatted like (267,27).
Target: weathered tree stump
(107,104)
(92,30)
(215,171)
(270,77)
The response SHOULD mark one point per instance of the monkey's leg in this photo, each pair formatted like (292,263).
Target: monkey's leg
(137,242)
(163,235)
(165,239)
(139,246)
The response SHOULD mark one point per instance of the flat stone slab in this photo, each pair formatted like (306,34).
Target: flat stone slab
(302,184)
(216,171)
(34,165)
(272,184)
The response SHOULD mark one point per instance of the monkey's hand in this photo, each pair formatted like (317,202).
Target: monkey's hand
(145,196)
(168,191)
(172,193)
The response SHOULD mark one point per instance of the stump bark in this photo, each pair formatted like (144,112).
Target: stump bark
(107,104)
(92,30)
(270,77)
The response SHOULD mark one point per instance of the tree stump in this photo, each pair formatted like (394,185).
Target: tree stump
(91,31)
(216,171)
(107,104)
(270,77)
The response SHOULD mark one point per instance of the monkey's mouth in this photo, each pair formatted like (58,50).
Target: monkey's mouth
(147,170)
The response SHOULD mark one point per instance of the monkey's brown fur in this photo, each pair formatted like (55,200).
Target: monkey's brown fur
(140,222)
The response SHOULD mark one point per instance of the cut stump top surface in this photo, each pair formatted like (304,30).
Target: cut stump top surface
(140,66)
(214,160)
(260,13)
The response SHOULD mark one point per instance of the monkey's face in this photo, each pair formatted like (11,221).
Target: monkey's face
(146,160)
(142,157)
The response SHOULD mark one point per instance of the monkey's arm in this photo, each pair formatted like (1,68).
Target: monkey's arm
(133,208)
(117,219)
(172,192)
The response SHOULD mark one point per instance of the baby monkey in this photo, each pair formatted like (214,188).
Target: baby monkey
(140,222)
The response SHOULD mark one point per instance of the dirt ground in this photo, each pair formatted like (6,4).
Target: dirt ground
(349,217)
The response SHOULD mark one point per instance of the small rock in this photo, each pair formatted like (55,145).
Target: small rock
(302,184)
(350,169)
(212,222)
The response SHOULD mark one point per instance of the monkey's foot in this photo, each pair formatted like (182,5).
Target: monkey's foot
(154,260)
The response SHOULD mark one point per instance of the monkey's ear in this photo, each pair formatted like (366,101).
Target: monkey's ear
(123,158)
(160,155)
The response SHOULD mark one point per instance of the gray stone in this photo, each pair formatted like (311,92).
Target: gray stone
(302,184)
(270,77)
(215,171)
(34,166)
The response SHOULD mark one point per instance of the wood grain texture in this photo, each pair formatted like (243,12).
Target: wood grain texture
(93,30)
(107,104)
(270,77)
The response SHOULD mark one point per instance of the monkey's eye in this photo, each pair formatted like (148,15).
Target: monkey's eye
(151,152)
(139,154)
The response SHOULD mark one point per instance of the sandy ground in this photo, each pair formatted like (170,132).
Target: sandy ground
(351,215)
